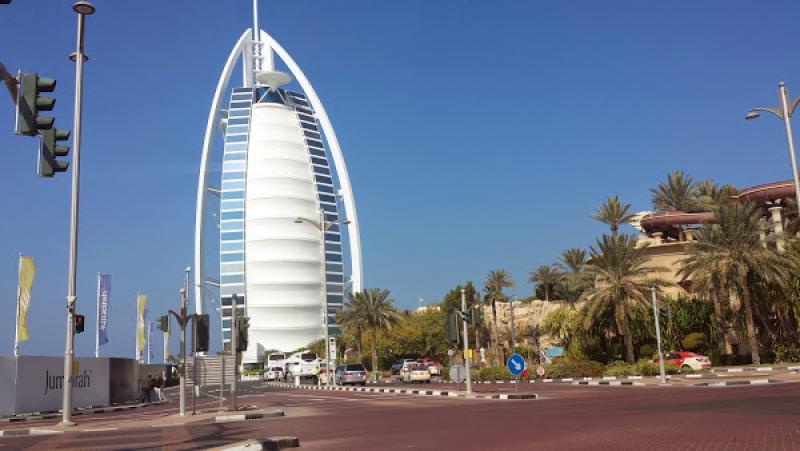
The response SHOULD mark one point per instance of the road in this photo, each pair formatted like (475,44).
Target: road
(565,417)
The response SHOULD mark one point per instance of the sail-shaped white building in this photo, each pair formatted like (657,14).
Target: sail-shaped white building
(284,202)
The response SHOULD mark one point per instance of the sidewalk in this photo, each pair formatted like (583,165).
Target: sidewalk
(167,421)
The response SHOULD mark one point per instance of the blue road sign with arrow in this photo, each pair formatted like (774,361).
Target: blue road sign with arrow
(515,364)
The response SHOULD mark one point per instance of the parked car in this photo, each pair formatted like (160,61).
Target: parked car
(273,374)
(352,373)
(433,368)
(416,372)
(398,365)
(687,360)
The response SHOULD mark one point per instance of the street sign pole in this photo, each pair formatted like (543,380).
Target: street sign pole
(466,339)
(516,366)
(234,353)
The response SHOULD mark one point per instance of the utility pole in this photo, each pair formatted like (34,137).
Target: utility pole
(658,337)
(466,339)
(83,9)
(182,323)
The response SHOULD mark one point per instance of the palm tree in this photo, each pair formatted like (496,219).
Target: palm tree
(623,284)
(613,213)
(545,276)
(676,194)
(709,196)
(376,312)
(351,322)
(731,254)
(496,281)
(573,262)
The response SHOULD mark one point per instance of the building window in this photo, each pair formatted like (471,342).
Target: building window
(231,257)
(230,236)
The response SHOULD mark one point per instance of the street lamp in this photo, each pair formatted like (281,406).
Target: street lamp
(784,112)
(324,225)
(83,9)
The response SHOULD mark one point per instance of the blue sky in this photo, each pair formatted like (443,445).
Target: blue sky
(478,135)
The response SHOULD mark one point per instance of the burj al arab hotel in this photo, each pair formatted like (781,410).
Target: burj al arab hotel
(281,207)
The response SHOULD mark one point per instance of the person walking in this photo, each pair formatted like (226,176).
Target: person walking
(159,388)
(147,389)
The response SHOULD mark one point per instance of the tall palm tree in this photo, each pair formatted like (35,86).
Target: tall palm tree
(676,194)
(613,212)
(546,276)
(623,284)
(496,281)
(377,312)
(709,195)
(351,322)
(732,252)
(573,262)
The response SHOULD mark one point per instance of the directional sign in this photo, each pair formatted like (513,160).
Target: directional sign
(515,364)
(458,373)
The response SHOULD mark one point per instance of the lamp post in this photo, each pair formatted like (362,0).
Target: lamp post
(83,9)
(784,112)
(324,225)
(658,337)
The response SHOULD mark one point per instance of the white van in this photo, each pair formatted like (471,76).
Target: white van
(304,364)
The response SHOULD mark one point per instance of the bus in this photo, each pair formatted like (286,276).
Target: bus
(276,359)
(304,364)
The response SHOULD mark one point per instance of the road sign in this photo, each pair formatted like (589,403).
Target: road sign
(515,364)
(458,373)
(540,371)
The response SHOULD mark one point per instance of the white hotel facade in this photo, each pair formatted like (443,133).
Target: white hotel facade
(282,172)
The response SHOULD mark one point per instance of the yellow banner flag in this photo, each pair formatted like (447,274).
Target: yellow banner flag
(140,302)
(27,272)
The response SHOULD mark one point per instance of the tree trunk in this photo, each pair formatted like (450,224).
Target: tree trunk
(719,327)
(628,337)
(374,347)
(359,343)
(748,316)
(547,293)
(495,338)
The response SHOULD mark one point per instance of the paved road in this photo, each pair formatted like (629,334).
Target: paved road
(566,417)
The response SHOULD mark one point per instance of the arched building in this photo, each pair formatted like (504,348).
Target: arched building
(283,204)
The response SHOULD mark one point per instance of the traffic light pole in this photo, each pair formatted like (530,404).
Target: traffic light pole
(66,412)
(466,339)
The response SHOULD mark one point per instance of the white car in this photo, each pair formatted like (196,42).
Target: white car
(416,372)
(433,369)
(273,374)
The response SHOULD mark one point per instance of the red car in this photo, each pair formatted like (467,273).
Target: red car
(687,360)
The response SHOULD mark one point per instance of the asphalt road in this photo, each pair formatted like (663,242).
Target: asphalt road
(565,417)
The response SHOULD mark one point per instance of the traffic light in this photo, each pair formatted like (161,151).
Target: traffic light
(49,150)
(200,339)
(242,324)
(452,326)
(477,315)
(30,103)
(79,323)
(163,323)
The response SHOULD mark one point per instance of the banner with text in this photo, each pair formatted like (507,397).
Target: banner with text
(103,297)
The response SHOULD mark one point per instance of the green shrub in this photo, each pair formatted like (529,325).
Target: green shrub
(494,373)
(620,368)
(574,368)
(787,353)
(647,351)
(695,341)
(646,367)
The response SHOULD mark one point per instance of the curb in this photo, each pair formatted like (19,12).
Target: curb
(219,419)
(82,411)
(269,443)
(248,416)
(403,391)
(610,382)
(739,383)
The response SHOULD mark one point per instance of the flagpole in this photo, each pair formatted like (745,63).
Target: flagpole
(136,335)
(97,326)
(16,319)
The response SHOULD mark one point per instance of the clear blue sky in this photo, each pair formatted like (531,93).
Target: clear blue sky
(478,134)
